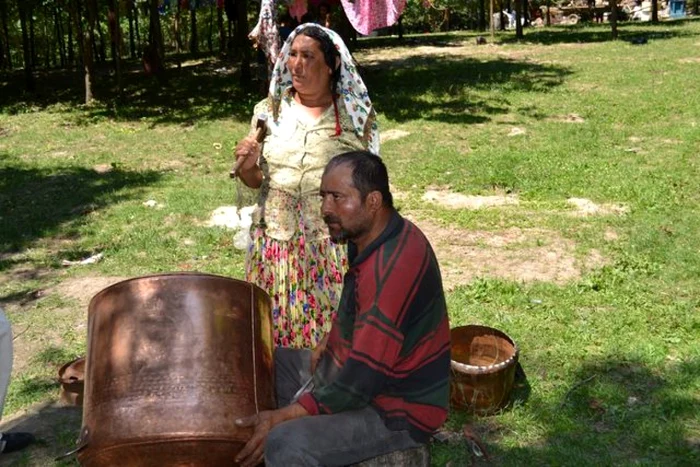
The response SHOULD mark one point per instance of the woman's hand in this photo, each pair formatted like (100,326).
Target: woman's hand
(247,153)
(248,149)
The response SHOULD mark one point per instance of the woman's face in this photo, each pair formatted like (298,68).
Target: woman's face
(310,74)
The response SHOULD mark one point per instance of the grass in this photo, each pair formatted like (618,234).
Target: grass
(611,360)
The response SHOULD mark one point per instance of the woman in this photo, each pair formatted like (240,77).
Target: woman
(318,107)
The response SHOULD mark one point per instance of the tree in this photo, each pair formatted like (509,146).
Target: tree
(26,48)
(5,56)
(194,40)
(654,11)
(242,41)
(519,19)
(613,18)
(88,47)
(115,34)
(482,15)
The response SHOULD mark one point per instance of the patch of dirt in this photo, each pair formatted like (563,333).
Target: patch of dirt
(393,134)
(690,60)
(102,168)
(523,255)
(585,207)
(569,118)
(516,131)
(83,289)
(460,201)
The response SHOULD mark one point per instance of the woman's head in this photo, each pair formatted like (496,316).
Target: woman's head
(314,61)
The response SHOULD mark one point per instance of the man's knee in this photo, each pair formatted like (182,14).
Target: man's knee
(286,444)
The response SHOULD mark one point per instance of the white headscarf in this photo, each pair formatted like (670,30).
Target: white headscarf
(351,89)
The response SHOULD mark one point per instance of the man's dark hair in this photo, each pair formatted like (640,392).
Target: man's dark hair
(368,173)
(330,53)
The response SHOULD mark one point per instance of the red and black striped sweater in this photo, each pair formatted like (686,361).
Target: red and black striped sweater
(389,346)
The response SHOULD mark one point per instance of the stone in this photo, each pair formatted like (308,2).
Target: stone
(414,457)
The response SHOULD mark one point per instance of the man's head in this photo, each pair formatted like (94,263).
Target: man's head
(355,195)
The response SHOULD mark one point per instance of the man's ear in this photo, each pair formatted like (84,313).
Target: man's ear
(337,63)
(374,201)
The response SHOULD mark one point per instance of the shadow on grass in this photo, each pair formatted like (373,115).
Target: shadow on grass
(207,89)
(37,203)
(446,89)
(591,33)
(56,429)
(615,412)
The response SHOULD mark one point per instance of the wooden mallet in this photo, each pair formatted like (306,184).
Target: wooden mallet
(260,132)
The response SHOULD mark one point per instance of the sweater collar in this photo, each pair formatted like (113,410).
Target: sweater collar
(391,230)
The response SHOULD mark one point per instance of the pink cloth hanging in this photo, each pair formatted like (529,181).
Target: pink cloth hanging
(297,9)
(368,15)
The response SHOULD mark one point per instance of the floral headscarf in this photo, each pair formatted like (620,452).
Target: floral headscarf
(350,88)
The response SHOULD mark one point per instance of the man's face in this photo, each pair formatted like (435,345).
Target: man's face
(342,207)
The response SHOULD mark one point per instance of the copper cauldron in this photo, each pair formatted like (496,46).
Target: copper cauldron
(172,361)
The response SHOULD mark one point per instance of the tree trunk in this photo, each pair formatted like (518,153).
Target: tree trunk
(210,40)
(88,45)
(503,17)
(155,34)
(71,52)
(115,32)
(400,28)
(492,26)
(518,19)
(654,11)
(613,18)
(28,72)
(548,21)
(60,35)
(98,25)
(222,30)
(49,52)
(130,16)
(136,27)
(525,12)
(696,8)
(178,32)
(482,15)
(5,61)
(194,40)
(29,13)
(242,41)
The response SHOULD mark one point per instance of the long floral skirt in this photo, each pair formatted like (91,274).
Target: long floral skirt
(304,279)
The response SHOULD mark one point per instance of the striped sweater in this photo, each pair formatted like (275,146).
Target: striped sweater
(389,346)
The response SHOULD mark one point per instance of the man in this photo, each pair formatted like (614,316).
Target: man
(380,377)
(9,442)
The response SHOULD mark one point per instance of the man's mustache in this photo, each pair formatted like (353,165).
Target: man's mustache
(331,220)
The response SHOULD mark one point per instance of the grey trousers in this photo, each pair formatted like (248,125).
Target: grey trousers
(339,439)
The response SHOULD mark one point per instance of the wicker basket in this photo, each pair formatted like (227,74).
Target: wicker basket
(484,360)
(72,379)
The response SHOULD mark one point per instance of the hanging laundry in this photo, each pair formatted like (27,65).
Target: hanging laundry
(368,15)
(297,9)
(265,33)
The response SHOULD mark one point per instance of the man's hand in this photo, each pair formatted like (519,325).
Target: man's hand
(253,452)
(318,351)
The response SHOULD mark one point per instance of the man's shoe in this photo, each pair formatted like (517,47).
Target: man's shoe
(11,442)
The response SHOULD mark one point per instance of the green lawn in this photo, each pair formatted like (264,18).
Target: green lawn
(611,358)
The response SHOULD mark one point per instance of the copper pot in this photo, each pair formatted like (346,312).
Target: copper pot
(483,365)
(172,361)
